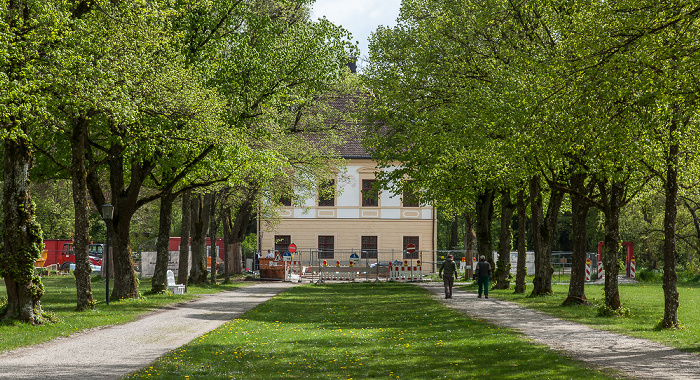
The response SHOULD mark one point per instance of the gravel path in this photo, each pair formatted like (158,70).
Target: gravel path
(636,357)
(115,351)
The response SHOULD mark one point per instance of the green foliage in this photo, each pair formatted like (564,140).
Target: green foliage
(54,211)
(650,275)
(606,311)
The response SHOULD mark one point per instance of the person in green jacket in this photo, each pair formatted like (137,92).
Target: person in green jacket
(483,273)
(450,272)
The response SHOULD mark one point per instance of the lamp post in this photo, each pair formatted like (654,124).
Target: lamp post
(107,213)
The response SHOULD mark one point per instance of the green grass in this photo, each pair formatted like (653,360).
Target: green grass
(60,300)
(362,331)
(644,300)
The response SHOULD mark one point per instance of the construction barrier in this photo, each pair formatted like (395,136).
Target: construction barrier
(600,268)
(632,268)
(338,276)
(292,271)
(405,272)
(588,269)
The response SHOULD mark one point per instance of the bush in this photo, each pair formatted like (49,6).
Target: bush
(650,275)
(605,311)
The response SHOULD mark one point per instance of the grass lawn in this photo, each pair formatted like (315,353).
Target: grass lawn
(362,331)
(60,299)
(644,300)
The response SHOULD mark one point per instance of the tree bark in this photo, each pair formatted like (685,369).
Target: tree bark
(160,273)
(670,279)
(454,233)
(213,227)
(521,271)
(228,248)
(200,226)
(237,230)
(81,205)
(503,265)
(579,211)
(21,235)
(186,226)
(543,235)
(612,198)
(469,242)
(240,227)
(125,201)
(484,218)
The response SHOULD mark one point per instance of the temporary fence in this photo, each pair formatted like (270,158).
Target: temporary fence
(383,265)
(348,265)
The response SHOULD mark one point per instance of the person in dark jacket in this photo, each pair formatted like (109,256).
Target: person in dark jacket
(483,272)
(449,267)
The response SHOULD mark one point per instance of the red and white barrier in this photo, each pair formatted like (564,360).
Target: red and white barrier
(405,273)
(600,268)
(588,269)
(337,276)
(632,268)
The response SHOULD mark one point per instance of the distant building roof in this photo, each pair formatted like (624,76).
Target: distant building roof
(345,118)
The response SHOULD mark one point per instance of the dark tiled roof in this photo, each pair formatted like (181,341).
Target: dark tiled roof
(345,119)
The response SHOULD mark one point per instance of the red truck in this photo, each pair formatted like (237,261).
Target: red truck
(61,253)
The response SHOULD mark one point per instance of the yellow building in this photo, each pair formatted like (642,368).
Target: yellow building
(356,219)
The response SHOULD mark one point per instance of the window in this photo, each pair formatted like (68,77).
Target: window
(326,193)
(410,198)
(282,243)
(326,245)
(286,200)
(369,247)
(410,240)
(370,195)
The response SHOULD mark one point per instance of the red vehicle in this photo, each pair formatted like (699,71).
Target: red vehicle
(61,253)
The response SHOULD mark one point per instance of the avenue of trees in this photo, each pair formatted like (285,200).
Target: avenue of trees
(494,106)
(136,103)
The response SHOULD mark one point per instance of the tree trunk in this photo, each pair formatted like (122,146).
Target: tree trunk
(469,242)
(200,225)
(213,227)
(238,231)
(612,204)
(543,235)
(160,273)
(184,263)
(503,265)
(454,233)
(521,271)
(125,282)
(125,201)
(21,235)
(671,302)
(484,218)
(81,205)
(579,211)
(226,220)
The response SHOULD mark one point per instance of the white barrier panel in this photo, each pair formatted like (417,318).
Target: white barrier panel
(343,274)
(406,273)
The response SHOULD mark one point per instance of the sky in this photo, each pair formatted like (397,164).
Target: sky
(360,17)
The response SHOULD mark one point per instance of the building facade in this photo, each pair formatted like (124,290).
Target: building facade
(354,218)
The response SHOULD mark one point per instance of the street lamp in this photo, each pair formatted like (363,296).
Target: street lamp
(107,213)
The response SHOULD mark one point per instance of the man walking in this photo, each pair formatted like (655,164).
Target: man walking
(483,272)
(450,272)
